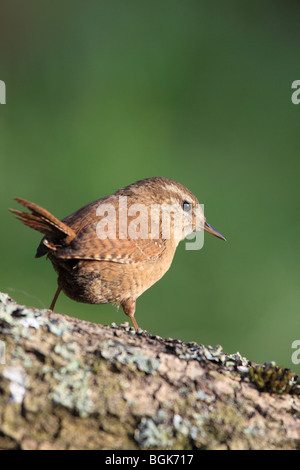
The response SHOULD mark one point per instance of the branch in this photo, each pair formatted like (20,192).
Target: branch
(71,384)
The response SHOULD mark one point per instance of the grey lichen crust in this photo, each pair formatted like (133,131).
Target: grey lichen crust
(70,384)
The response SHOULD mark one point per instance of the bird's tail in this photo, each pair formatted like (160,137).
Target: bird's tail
(57,233)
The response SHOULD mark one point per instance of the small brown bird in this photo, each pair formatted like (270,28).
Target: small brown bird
(113,249)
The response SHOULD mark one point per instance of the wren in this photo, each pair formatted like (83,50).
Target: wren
(113,249)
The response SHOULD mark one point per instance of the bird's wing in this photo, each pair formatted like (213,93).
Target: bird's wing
(121,249)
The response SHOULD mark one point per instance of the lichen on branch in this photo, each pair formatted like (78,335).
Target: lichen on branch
(71,384)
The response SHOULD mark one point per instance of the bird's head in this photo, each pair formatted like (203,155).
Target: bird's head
(172,209)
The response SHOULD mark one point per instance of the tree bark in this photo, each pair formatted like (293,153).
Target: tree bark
(70,384)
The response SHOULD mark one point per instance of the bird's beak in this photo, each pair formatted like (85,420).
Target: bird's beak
(208,228)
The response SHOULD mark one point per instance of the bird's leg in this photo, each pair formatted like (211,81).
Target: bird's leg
(55,298)
(129,309)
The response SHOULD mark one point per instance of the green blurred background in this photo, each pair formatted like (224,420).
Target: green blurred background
(101,94)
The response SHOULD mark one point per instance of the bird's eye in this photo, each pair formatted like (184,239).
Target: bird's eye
(186,206)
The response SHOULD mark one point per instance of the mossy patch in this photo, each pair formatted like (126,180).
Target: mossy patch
(274,379)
